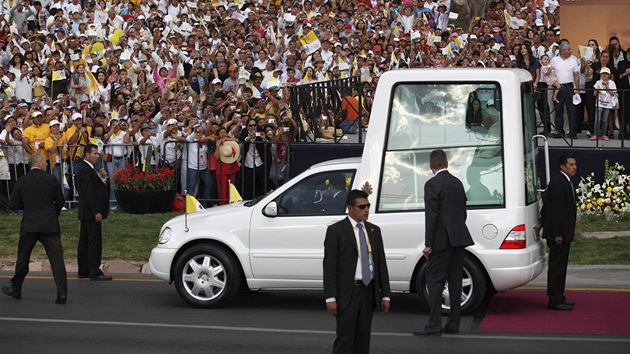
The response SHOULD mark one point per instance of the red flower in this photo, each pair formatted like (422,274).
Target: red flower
(132,177)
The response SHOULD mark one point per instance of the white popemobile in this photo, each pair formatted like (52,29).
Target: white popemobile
(277,241)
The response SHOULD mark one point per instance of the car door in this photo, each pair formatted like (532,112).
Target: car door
(288,249)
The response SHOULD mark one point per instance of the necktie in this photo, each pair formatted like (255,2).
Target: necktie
(365,257)
(572,190)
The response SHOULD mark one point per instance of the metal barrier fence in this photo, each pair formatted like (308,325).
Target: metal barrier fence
(206,180)
(588,108)
(309,102)
(265,169)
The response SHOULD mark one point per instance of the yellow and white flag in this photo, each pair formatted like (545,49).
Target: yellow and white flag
(192,205)
(92,82)
(58,75)
(235,196)
(310,42)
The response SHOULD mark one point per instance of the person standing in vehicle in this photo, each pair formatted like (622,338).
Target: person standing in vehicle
(559,213)
(446,237)
(355,275)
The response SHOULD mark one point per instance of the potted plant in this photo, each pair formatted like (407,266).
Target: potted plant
(144,192)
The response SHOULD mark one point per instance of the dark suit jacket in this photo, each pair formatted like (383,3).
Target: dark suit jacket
(445,213)
(93,193)
(340,262)
(560,210)
(624,82)
(39,194)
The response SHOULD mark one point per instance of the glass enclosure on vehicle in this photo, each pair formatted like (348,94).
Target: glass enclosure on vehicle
(467,121)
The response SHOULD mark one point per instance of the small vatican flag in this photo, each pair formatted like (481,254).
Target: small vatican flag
(235,196)
(192,205)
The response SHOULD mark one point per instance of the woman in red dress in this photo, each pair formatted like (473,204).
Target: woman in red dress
(226,155)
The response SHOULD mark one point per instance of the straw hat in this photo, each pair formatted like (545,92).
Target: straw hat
(230,151)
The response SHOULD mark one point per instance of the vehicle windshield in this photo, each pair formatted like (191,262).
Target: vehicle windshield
(464,119)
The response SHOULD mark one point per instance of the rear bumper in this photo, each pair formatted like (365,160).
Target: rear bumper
(509,269)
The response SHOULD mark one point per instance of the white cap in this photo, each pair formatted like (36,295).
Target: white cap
(36,114)
(54,122)
(216,81)
(77,116)
(171,121)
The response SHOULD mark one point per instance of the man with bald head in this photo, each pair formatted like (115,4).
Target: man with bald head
(39,195)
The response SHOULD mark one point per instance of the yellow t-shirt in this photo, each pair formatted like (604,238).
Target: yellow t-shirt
(37,137)
(73,149)
(54,157)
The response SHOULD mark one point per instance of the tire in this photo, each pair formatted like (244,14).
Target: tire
(474,287)
(206,276)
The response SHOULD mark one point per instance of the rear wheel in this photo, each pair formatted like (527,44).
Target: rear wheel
(474,287)
(207,276)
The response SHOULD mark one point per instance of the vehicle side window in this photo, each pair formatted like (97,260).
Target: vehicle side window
(321,194)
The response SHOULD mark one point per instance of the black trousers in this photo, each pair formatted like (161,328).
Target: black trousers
(565,96)
(557,271)
(354,323)
(254,182)
(54,251)
(445,265)
(591,110)
(90,249)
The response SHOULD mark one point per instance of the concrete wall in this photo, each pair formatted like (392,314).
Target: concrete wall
(581,20)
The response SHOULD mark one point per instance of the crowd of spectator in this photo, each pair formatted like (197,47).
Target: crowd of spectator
(169,73)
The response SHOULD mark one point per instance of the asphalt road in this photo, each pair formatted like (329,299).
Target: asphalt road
(142,315)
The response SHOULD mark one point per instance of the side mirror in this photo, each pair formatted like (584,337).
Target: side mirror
(271,210)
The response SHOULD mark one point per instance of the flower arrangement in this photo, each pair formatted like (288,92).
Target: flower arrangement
(611,197)
(131,177)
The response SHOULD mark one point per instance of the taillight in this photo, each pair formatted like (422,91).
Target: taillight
(515,239)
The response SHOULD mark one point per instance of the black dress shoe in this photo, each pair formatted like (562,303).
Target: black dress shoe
(9,290)
(101,277)
(570,303)
(574,137)
(82,276)
(448,330)
(428,333)
(560,307)
(61,299)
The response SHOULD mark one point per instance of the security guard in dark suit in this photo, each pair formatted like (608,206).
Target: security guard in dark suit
(559,213)
(93,190)
(39,195)
(355,275)
(446,237)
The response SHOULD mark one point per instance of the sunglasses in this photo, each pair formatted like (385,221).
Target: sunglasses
(252,125)
(362,206)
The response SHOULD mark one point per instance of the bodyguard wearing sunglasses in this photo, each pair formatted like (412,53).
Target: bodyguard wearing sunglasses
(355,275)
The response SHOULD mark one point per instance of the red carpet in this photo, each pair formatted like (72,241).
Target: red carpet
(525,311)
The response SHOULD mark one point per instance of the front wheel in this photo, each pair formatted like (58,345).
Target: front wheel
(474,287)
(207,276)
